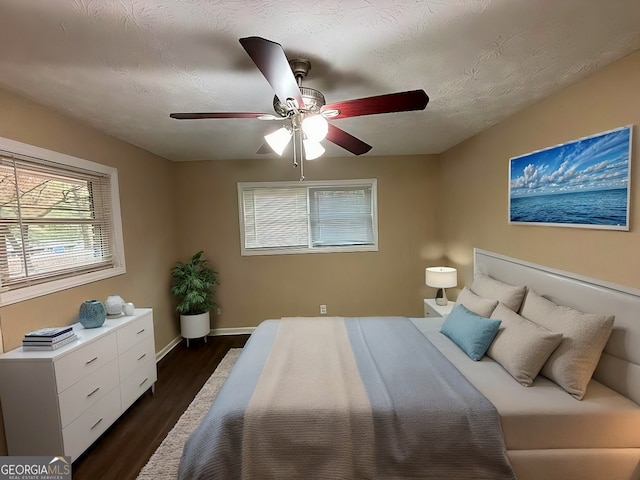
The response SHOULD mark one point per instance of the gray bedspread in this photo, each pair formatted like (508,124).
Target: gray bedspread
(346,398)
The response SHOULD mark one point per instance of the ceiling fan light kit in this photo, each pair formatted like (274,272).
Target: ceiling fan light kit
(306,109)
(315,127)
(312,150)
(279,139)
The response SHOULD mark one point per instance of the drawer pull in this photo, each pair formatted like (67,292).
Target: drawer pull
(94,391)
(143,381)
(141,331)
(96,424)
(91,361)
(142,356)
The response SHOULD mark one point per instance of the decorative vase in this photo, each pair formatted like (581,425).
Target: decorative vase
(92,314)
(129,309)
(114,304)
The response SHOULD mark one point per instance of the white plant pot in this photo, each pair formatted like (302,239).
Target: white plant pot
(195,326)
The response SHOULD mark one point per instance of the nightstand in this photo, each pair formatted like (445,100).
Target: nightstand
(433,310)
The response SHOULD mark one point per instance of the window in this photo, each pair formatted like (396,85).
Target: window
(59,222)
(309,217)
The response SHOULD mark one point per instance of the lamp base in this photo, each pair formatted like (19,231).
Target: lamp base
(441,298)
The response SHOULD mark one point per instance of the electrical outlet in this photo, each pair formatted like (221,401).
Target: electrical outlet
(218,311)
(323,309)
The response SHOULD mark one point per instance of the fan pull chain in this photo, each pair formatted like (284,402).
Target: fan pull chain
(298,151)
(301,156)
(295,149)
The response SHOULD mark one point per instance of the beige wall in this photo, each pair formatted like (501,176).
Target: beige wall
(148,214)
(475,180)
(387,282)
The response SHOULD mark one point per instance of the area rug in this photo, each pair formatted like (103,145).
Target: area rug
(163,464)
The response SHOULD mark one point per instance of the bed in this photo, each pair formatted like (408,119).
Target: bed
(368,409)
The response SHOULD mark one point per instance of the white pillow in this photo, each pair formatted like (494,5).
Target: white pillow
(572,364)
(510,295)
(521,347)
(478,305)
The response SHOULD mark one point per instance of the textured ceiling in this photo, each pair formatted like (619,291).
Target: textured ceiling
(124,65)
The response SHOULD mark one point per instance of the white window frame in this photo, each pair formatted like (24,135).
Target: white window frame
(119,268)
(370,182)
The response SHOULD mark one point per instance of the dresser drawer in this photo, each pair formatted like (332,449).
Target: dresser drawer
(137,355)
(84,360)
(87,392)
(133,333)
(139,382)
(85,429)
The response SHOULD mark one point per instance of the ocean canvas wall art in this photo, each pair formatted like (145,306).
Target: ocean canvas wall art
(583,183)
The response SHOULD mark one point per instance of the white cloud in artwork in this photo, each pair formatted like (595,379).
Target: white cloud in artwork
(593,163)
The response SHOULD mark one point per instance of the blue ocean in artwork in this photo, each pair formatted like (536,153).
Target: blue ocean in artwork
(599,207)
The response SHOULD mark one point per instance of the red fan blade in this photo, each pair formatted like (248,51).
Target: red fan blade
(270,59)
(392,102)
(193,116)
(347,141)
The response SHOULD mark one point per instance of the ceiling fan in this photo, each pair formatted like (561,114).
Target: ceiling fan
(305,108)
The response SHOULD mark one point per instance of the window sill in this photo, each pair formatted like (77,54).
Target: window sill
(28,293)
(294,250)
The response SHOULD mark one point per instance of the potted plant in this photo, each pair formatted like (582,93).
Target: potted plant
(192,283)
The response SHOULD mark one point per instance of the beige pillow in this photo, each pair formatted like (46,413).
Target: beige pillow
(487,287)
(478,305)
(521,347)
(572,364)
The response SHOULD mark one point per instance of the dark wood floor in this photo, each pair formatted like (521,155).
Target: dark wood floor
(125,448)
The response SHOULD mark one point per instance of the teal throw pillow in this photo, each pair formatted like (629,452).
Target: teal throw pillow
(471,332)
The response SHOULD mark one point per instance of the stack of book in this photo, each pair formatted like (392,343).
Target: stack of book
(48,338)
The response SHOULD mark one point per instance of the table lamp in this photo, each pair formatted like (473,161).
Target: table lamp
(441,278)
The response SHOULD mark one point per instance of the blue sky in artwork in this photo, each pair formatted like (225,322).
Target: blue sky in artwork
(600,162)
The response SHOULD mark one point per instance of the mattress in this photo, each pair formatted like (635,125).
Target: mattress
(543,416)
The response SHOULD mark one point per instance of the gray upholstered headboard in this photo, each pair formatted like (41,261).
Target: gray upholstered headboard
(619,366)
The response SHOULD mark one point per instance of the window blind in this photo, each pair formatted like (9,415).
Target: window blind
(56,221)
(275,217)
(290,217)
(341,216)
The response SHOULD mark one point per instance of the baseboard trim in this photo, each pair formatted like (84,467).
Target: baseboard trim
(232,331)
(172,344)
(212,333)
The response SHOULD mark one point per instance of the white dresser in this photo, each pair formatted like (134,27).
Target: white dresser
(59,402)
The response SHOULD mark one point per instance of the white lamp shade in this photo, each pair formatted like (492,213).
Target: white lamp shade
(441,277)
(279,140)
(315,127)
(312,150)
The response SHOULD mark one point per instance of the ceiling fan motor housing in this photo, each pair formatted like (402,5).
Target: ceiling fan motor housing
(313,101)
